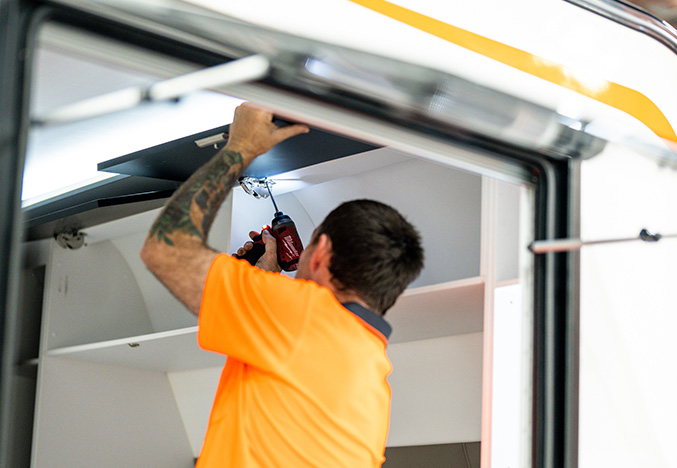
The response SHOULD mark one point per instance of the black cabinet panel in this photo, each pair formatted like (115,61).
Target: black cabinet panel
(151,175)
(98,203)
(178,159)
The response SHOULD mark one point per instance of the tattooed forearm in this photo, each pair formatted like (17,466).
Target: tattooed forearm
(192,209)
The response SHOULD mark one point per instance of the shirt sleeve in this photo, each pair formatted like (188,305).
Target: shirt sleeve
(252,315)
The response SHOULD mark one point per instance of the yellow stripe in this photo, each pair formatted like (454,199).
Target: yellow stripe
(625,99)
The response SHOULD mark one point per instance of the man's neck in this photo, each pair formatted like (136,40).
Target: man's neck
(349,296)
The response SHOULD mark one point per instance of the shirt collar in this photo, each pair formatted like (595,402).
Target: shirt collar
(371,318)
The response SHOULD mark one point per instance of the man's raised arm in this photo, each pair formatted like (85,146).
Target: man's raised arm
(176,248)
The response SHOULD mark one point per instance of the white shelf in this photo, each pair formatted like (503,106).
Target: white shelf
(445,309)
(168,351)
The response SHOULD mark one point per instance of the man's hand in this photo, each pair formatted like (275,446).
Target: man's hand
(175,249)
(268,260)
(253,132)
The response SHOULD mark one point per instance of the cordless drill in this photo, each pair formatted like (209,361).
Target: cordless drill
(289,245)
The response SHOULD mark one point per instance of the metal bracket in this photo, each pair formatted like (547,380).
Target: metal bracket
(213,140)
(257,188)
(72,240)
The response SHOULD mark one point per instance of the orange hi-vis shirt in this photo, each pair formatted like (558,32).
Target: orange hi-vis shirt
(304,384)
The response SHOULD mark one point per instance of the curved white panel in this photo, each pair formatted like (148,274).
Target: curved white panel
(92,296)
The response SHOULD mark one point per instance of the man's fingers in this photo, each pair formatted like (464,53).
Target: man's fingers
(245,247)
(253,234)
(282,133)
(253,132)
(268,260)
(270,242)
(268,237)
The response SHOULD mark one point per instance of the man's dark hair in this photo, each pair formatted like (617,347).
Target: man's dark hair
(376,253)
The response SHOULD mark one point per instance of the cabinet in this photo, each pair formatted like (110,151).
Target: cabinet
(122,382)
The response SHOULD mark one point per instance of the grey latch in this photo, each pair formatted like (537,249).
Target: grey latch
(566,245)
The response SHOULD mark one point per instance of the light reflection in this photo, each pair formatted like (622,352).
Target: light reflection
(65,157)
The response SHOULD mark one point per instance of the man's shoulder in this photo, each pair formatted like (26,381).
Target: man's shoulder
(238,274)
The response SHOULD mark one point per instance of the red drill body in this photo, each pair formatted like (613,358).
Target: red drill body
(289,245)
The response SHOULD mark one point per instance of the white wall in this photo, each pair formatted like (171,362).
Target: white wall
(437,390)
(436,385)
(96,415)
(194,391)
(628,314)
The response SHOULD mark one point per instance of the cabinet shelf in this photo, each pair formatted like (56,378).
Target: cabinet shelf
(167,351)
(444,309)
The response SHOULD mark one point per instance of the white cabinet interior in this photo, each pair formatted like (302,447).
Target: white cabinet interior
(122,382)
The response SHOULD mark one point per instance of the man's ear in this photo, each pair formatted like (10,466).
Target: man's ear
(321,254)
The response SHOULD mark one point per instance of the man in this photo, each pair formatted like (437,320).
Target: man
(305,380)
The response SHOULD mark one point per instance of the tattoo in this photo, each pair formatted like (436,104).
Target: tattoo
(193,207)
